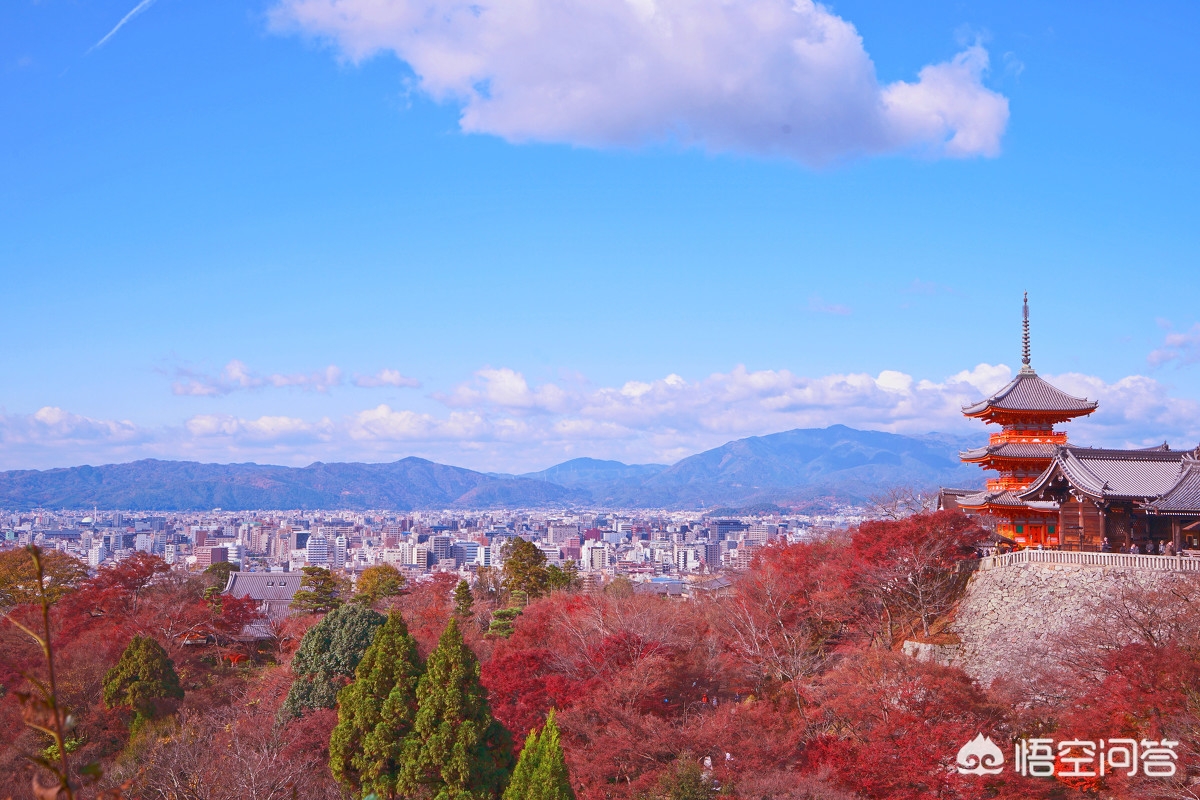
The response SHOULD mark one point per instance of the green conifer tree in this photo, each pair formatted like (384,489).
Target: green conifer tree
(376,712)
(464,601)
(318,591)
(457,750)
(541,772)
(142,680)
(329,654)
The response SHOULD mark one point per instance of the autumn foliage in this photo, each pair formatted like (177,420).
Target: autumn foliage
(789,684)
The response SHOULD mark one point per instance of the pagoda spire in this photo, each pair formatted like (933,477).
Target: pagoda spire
(1025,337)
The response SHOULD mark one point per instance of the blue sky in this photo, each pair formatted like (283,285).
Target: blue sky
(298,230)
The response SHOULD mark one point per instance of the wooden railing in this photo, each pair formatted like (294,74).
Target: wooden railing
(1028,437)
(1171,563)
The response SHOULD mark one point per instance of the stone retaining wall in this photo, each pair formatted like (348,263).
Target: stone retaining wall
(1016,618)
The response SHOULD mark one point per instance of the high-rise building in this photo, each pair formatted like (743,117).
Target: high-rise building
(97,554)
(207,556)
(440,546)
(761,533)
(594,556)
(317,550)
(687,559)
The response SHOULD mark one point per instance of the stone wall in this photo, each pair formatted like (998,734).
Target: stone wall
(1019,619)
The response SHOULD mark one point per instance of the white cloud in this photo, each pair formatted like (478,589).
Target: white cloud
(386,377)
(274,429)
(1181,348)
(498,421)
(769,77)
(505,388)
(237,376)
(54,425)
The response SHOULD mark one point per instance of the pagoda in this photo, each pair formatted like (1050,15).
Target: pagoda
(1027,409)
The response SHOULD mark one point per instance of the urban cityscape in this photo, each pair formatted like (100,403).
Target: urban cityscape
(640,546)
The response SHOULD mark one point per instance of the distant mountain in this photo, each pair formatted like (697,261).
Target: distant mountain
(807,463)
(602,480)
(189,486)
(789,468)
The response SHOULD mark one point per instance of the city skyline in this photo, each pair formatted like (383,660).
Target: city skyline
(235,235)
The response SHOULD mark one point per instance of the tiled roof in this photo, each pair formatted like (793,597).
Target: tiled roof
(1113,474)
(1044,450)
(981,499)
(263,586)
(1184,496)
(1028,392)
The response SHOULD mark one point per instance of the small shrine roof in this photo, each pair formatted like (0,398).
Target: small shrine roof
(980,499)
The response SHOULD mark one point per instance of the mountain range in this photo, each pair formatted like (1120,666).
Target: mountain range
(793,468)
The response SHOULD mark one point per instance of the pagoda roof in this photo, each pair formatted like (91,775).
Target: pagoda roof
(1015,450)
(1110,474)
(1029,393)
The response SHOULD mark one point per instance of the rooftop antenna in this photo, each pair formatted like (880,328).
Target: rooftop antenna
(1025,337)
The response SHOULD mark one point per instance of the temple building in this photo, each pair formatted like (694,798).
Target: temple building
(1050,493)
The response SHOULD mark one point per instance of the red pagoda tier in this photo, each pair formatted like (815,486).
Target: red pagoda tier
(1027,409)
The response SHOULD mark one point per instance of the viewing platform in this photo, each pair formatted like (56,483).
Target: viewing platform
(1180,563)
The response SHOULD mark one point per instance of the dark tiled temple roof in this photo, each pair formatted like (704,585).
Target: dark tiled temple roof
(1044,450)
(272,590)
(1184,496)
(1028,392)
(980,499)
(1113,474)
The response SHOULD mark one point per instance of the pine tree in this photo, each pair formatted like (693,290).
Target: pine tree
(376,712)
(318,591)
(143,678)
(464,601)
(457,750)
(525,568)
(541,772)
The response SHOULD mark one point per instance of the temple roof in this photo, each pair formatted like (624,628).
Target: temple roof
(1015,450)
(263,586)
(981,499)
(1028,392)
(1184,497)
(1113,474)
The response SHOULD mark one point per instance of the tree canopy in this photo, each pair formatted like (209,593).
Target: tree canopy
(328,656)
(464,600)
(219,573)
(377,582)
(143,678)
(541,771)
(18,577)
(376,712)
(525,568)
(457,750)
(318,591)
